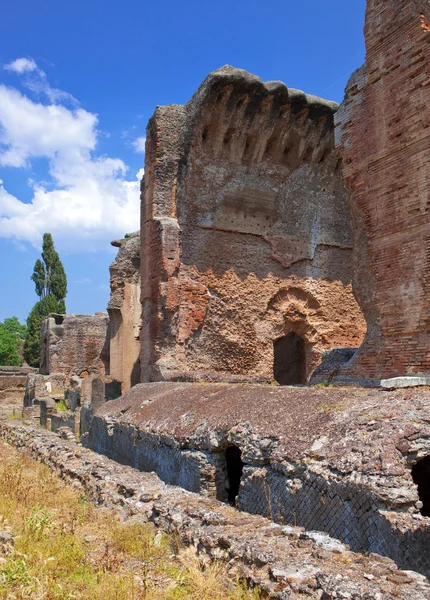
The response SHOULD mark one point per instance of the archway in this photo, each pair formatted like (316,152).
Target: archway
(289,360)
(421,477)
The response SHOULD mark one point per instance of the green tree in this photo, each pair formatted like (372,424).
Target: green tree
(49,276)
(16,328)
(50,281)
(39,278)
(12,334)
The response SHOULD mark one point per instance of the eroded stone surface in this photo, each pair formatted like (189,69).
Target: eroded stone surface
(245,232)
(12,384)
(286,561)
(74,344)
(124,310)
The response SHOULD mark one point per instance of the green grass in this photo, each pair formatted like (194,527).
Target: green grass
(65,549)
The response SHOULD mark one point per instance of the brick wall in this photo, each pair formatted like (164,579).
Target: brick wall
(245,232)
(383,132)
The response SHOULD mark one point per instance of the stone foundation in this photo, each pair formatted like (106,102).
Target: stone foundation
(334,460)
(286,562)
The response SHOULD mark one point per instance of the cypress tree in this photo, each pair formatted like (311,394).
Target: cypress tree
(39,278)
(50,281)
(49,276)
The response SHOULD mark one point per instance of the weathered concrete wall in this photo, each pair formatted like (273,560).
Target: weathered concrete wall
(383,136)
(286,562)
(311,457)
(74,345)
(245,231)
(124,310)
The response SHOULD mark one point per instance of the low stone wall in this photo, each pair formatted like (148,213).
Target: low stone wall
(287,562)
(345,510)
(345,469)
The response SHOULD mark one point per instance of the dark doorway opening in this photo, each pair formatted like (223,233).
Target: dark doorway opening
(234,472)
(289,362)
(421,476)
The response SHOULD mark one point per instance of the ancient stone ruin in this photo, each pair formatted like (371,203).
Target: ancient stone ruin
(125,312)
(74,345)
(255,265)
(246,235)
(12,385)
(355,467)
(383,136)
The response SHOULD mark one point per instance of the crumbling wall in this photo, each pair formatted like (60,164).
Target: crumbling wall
(74,345)
(39,387)
(310,457)
(383,136)
(12,384)
(124,310)
(245,231)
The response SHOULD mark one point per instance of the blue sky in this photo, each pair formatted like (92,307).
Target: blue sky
(78,83)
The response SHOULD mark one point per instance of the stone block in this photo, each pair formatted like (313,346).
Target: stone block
(48,407)
(405,381)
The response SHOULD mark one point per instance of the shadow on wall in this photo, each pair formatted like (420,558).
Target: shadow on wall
(135,373)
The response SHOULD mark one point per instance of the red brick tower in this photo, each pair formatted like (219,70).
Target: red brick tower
(383,133)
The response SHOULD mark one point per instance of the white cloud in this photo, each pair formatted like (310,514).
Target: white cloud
(35,80)
(22,65)
(88,201)
(139,144)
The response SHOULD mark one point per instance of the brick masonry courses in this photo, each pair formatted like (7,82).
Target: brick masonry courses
(245,232)
(287,562)
(74,345)
(383,134)
(336,460)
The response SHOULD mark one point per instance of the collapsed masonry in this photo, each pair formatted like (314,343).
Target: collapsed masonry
(125,312)
(286,562)
(74,365)
(88,359)
(12,385)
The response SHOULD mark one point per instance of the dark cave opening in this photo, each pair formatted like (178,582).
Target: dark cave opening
(421,477)
(233,458)
(289,361)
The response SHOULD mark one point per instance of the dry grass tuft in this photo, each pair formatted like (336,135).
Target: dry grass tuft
(65,549)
